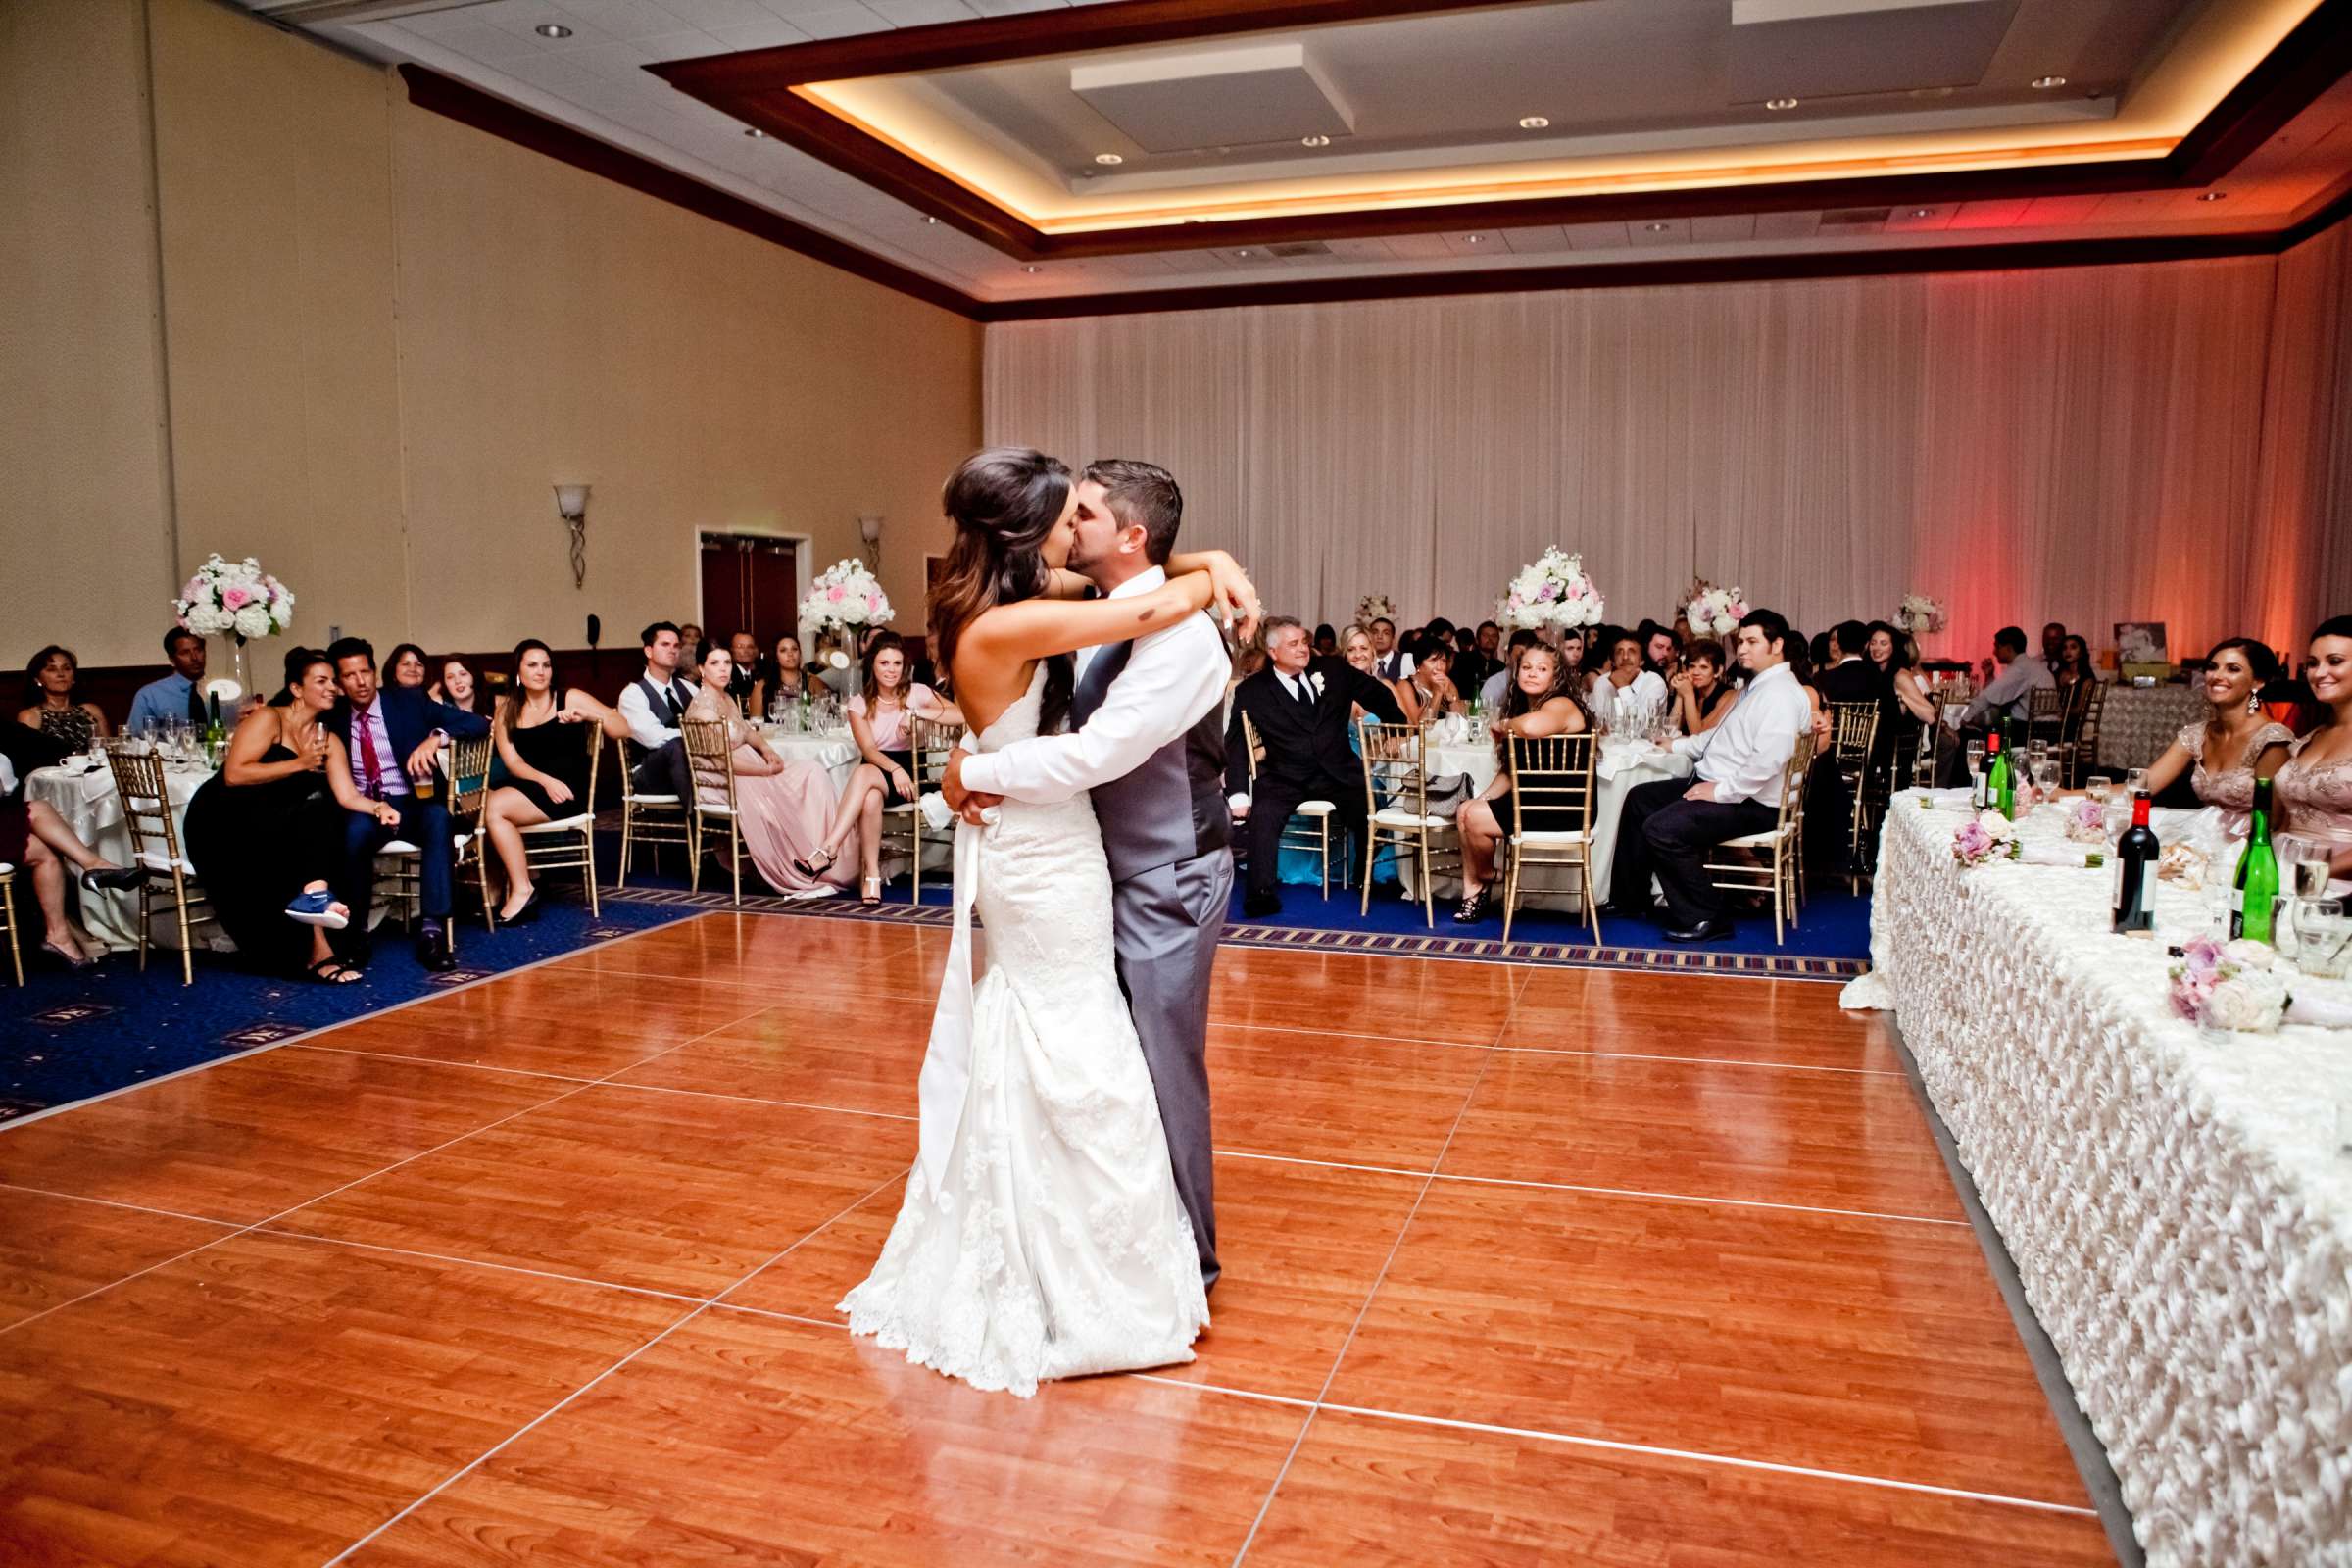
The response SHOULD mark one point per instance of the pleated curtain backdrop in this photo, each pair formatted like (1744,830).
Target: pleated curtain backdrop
(2168,442)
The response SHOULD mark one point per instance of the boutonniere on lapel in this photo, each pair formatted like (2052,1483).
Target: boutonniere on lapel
(1314,683)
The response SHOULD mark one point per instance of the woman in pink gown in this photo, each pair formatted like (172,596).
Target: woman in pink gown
(783,807)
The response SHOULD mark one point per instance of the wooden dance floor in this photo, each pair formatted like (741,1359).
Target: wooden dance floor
(1522,1267)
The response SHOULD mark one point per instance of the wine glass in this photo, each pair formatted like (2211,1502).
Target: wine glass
(2322,935)
(2045,778)
(2099,787)
(2136,782)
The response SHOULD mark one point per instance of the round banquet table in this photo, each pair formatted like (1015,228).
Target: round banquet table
(836,751)
(2178,1207)
(85,796)
(1622,764)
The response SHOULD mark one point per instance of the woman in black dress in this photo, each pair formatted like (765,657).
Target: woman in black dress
(267,828)
(546,756)
(1541,700)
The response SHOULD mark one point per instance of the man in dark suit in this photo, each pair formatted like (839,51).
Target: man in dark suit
(391,736)
(1302,708)
(1847,676)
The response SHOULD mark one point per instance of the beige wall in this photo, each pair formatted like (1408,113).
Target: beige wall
(388,336)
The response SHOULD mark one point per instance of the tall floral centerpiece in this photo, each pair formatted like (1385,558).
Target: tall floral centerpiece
(846,597)
(1553,592)
(1372,607)
(1919,613)
(236,600)
(1716,612)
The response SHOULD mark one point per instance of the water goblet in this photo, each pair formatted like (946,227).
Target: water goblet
(2045,778)
(2322,935)
(2098,787)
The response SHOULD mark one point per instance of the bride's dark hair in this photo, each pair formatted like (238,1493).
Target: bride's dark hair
(1005,501)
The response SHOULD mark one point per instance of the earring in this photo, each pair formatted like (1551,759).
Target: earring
(2253,702)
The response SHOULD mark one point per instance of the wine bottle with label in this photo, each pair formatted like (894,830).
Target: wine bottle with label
(2136,861)
(2257,888)
(2001,784)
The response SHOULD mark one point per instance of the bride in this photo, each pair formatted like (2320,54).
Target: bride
(1041,1236)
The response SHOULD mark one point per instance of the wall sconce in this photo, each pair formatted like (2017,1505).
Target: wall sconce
(870,529)
(571,504)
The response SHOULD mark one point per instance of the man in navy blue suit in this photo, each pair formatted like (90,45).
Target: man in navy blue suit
(392,734)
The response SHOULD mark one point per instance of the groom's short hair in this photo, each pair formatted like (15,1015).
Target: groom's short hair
(1145,495)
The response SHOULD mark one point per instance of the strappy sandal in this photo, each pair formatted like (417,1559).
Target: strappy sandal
(818,865)
(872,893)
(333,973)
(1475,904)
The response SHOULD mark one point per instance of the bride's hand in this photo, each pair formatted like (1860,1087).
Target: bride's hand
(1231,593)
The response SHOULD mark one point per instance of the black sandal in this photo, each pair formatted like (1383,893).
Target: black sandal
(1475,904)
(818,865)
(334,972)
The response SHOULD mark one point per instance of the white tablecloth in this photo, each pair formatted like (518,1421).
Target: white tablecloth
(1622,766)
(87,800)
(837,755)
(2179,1211)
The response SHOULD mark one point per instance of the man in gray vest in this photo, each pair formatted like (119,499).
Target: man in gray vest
(1146,739)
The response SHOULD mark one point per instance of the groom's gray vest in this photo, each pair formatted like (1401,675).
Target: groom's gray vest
(1172,807)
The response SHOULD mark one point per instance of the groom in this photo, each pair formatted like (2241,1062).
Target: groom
(1144,738)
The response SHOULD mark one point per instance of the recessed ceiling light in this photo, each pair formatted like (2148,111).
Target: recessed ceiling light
(1535,123)
(2214,196)
(2045,83)
(1109,159)
(1655,228)
(929,220)
(1775,105)
(1032,267)
(1931,92)
(1315,141)
(1473,239)
(552,29)
(1922,211)
(1242,254)
(755,133)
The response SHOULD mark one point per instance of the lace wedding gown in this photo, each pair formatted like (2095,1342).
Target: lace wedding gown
(1041,1236)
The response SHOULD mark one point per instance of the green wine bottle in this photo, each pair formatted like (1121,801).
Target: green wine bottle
(2257,888)
(2000,787)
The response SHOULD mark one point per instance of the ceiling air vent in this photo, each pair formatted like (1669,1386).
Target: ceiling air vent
(1854,218)
(1311,247)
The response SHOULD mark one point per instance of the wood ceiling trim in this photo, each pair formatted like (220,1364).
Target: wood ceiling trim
(756,86)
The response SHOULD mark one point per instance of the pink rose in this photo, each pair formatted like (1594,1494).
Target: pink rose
(234,597)
(836,594)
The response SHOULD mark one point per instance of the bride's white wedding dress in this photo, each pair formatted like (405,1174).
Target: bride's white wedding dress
(1041,1236)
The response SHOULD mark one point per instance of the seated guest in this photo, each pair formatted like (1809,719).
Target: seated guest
(33,836)
(1429,691)
(383,744)
(650,705)
(1497,685)
(49,677)
(1576,649)
(2236,744)
(1622,688)
(1669,825)
(2010,674)
(783,807)
(1661,649)
(2053,643)
(2313,789)
(1327,642)
(744,672)
(788,680)
(1438,627)
(2073,674)
(1542,701)
(456,686)
(1906,710)
(1702,695)
(406,668)
(881,720)
(1849,675)
(266,833)
(1389,662)
(545,750)
(1479,661)
(298,660)
(1302,708)
(690,646)
(179,696)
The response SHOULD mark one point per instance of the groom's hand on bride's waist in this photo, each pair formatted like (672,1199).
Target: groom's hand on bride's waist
(968,804)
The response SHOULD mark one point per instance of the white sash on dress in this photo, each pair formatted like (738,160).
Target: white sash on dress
(945,1078)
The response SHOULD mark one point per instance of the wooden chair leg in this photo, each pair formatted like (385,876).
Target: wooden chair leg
(1371,856)
(1510,890)
(1584,879)
(735,860)
(588,867)
(1429,902)
(146,919)
(628,821)
(187,953)
(694,852)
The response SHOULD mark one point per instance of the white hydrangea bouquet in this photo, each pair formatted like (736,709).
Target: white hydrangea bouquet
(1716,612)
(1918,613)
(234,599)
(846,595)
(1372,607)
(1553,592)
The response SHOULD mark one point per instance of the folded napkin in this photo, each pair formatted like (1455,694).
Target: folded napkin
(2331,1009)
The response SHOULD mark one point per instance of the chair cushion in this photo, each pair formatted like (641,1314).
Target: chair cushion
(567,824)
(1314,808)
(398,847)
(1756,840)
(650,800)
(5,868)
(157,861)
(714,809)
(1397,817)
(1551,836)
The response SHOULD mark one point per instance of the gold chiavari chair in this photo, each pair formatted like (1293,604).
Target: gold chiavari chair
(2045,714)
(902,826)
(1397,806)
(653,818)
(1314,833)
(568,843)
(710,758)
(1781,848)
(465,777)
(8,919)
(1853,737)
(154,847)
(2083,741)
(1551,775)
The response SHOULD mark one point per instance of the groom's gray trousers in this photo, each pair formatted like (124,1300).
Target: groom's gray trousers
(1167,920)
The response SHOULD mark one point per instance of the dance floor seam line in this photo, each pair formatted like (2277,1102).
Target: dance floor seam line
(1379,1278)
(483,1262)
(116,1203)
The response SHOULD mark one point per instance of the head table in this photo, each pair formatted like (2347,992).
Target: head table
(2178,1207)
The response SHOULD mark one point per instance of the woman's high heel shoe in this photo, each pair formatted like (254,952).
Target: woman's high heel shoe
(815,865)
(1475,904)
(873,890)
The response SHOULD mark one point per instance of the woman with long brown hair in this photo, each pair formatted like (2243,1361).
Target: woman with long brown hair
(1541,700)
(1042,1235)
(881,718)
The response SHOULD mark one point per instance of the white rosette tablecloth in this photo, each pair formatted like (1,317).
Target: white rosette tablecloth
(85,798)
(2180,1209)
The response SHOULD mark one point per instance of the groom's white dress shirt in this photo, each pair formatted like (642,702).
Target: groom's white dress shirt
(1171,679)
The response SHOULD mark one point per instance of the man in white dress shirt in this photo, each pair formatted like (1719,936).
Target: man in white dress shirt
(1148,740)
(652,704)
(1668,827)
(2008,693)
